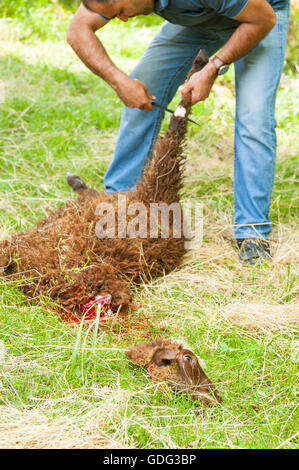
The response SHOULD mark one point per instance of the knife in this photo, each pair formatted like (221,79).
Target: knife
(171,111)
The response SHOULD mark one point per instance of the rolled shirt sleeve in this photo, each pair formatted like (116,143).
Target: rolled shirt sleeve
(230,8)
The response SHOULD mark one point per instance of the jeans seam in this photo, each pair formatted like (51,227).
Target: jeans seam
(272,111)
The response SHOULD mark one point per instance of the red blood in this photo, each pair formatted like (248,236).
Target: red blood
(101,303)
(149,369)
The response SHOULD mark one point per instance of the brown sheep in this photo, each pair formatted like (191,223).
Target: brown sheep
(63,257)
(169,361)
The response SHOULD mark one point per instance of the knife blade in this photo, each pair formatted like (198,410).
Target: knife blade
(171,111)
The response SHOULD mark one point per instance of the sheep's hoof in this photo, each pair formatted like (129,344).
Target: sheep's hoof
(75,182)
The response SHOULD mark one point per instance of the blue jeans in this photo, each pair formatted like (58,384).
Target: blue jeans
(164,67)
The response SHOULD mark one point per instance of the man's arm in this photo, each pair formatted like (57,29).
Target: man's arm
(82,38)
(257,19)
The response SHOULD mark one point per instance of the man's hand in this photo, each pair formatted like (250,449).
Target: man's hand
(134,93)
(200,83)
(256,20)
(81,36)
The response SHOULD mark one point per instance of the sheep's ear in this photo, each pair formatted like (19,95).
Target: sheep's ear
(163,356)
(142,353)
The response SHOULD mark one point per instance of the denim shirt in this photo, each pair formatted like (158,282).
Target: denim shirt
(216,14)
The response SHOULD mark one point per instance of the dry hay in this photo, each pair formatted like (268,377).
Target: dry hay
(262,317)
(32,429)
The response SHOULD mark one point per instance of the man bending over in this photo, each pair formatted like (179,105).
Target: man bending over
(249,33)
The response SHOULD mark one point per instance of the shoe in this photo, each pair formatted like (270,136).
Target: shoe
(253,250)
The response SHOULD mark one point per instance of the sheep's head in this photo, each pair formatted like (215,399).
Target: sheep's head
(169,361)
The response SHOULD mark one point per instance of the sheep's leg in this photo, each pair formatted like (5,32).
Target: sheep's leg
(75,182)
(79,186)
(183,109)
(163,177)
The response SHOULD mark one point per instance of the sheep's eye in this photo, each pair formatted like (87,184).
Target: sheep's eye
(187,358)
(166,362)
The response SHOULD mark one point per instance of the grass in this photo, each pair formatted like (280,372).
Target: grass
(62,387)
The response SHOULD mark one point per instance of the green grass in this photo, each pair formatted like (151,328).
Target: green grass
(61,386)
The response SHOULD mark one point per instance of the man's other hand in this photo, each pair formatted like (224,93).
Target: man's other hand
(200,83)
(134,93)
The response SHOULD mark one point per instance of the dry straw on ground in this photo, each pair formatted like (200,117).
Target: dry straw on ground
(261,316)
(33,429)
